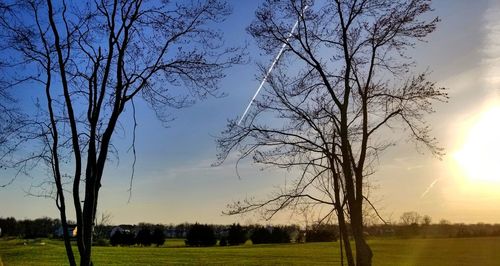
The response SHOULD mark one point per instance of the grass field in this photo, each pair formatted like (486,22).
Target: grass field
(456,251)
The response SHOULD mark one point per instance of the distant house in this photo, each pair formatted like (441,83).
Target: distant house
(175,233)
(72,231)
(169,233)
(123,228)
(115,230)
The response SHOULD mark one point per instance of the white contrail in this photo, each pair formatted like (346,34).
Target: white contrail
(271,67)
(429,188)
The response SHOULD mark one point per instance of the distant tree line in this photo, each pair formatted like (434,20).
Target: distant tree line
(322,233)
(37,228)
(411,225)
(235,234)
(145,237)
(443,229)
(267,235)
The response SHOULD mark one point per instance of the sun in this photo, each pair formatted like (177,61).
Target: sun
(479,156)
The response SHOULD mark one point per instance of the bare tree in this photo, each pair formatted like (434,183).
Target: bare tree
(89,61)
(343,83)
(10,117)
(411,218)
(426,220)
(101,223)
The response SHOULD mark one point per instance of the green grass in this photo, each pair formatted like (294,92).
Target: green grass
(457,251)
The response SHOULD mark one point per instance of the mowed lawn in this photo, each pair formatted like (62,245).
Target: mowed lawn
(450,251)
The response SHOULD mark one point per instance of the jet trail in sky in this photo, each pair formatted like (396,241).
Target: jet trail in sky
(270,68)
(429,188)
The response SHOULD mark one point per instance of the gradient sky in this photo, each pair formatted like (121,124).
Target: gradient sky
(175,183)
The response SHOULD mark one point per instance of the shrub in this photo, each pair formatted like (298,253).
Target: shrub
(101,242)
(223,242)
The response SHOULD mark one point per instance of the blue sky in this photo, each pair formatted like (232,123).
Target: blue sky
(174,181)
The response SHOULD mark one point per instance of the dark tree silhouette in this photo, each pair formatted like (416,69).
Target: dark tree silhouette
(40,227)
(223,242)
(144,237)
(122,238)
(102,226)
(90,60)
(321,233)
(201,235)
(237,235)
(116,239)
(275,234)
(343,81)
(158,237)
(426,220)
(260,235)
(410,218)
(280,235)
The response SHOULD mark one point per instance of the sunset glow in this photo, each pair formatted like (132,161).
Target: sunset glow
(479,155)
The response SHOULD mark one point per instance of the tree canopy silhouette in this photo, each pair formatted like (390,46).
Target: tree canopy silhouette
(343,82)
(90,60)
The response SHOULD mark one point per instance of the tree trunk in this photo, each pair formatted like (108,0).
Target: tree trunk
(363,251)
(344,236)
(343,232)
(66,237)
(88,219)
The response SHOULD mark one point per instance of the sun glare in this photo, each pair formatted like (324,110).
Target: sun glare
(479,156)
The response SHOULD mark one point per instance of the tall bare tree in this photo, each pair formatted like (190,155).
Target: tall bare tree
(90,61)
(344,82)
